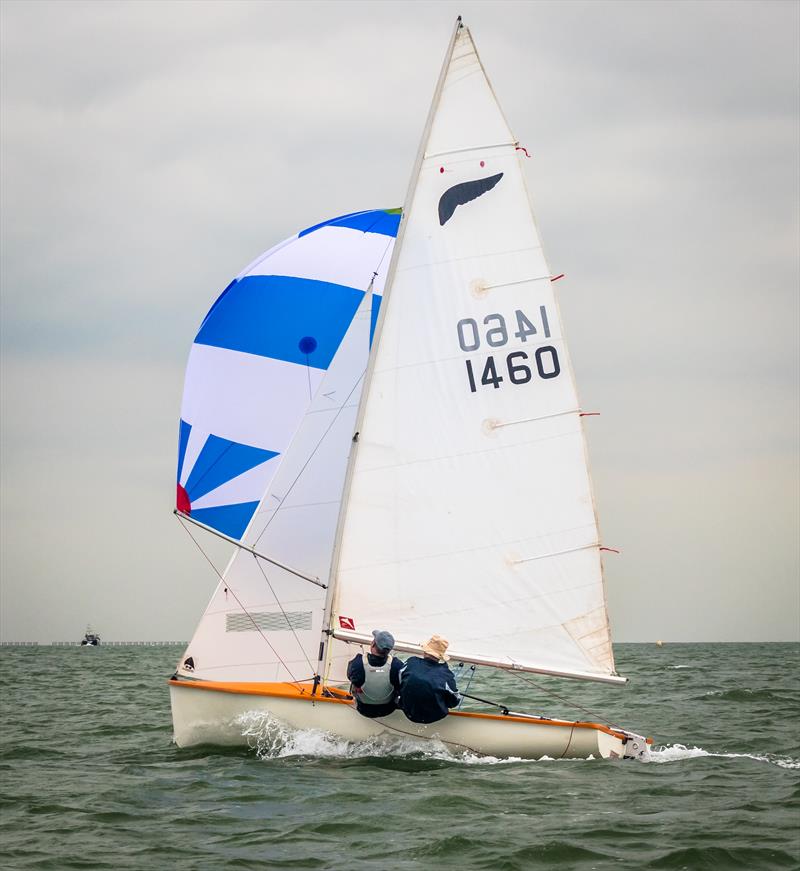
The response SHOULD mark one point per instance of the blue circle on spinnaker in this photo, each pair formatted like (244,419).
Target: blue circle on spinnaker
(307,345)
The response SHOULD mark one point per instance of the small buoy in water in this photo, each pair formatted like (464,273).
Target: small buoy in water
(659,643)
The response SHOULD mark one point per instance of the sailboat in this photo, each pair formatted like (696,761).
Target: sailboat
(380,414)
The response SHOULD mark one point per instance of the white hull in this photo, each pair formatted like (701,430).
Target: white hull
(210,716)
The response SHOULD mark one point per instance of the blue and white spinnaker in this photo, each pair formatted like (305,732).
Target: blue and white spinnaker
(261,354)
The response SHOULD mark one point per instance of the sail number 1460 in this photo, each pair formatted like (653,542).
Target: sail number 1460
(544,360)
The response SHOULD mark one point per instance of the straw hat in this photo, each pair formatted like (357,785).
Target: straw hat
(436,647)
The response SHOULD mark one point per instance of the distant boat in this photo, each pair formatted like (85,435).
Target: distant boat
(90,639)
(422,469)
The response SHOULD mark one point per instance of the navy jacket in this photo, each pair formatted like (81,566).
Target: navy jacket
(427,690)
(356,676)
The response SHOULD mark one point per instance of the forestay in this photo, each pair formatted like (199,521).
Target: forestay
(469,509)
(272,389)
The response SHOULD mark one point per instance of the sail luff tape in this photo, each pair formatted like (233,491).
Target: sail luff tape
(314,580)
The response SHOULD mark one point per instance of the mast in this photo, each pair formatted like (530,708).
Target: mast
(412,185)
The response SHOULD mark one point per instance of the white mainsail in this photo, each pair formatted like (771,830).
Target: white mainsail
(468,510)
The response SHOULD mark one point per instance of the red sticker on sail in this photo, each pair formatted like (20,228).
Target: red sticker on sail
(347,623)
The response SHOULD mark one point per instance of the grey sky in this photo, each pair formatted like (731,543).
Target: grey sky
(151,150)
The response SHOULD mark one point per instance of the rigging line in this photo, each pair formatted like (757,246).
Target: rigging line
(310,457)
(507,711)
(308,371)
(285,615)
(399,731)
(258,629)
(503,708)
(199,547)
(569,743)
(469,681)
(228,588)
(597,717)
(385,251)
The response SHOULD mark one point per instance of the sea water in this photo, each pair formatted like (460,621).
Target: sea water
(89,777)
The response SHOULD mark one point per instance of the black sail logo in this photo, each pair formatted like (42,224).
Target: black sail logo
(463,193)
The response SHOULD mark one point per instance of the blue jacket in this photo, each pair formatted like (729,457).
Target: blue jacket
(356,676)
(427,690)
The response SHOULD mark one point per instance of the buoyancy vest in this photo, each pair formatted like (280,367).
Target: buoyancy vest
(377,688)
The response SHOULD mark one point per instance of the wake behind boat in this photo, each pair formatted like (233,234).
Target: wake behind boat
(417,463)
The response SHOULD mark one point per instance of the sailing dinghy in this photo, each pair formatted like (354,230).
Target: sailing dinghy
(380,414)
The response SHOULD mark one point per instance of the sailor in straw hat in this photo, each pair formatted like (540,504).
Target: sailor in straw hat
(427,686)
(375,676)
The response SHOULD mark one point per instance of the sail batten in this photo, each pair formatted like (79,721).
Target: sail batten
(465,148)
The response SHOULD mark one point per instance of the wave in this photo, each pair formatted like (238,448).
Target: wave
(273,739)
(679,752)
(741,695)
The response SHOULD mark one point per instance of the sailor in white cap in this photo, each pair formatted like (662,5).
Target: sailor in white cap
(375,676)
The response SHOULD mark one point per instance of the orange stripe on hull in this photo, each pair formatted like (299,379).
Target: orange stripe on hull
(303,692)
